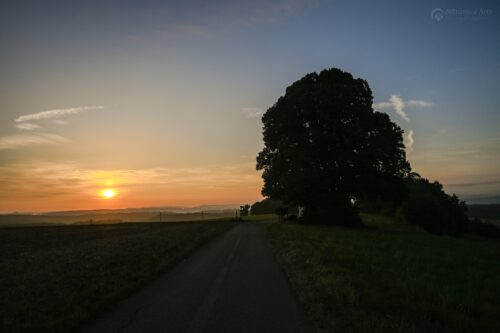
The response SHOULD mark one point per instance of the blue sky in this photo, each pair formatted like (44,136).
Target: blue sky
(177,87)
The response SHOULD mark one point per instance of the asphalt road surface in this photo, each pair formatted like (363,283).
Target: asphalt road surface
(232,284)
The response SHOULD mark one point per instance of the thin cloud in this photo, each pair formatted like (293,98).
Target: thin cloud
(443,131)
(26,123)
(57,113)
(60,122)
(223,17)
(419,103)
(252,112)
(409,141)
(492,182)
(24,140)
(27,126)
(196,30)
(254,13)
(382,105)
(398,105)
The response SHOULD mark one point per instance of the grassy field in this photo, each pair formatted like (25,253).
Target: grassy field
(392,278)
(54,279)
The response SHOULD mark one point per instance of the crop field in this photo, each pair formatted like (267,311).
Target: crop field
(54,279)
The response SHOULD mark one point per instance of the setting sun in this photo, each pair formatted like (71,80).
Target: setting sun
(108,193)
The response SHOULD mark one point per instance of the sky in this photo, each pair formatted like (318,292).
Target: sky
(161,101)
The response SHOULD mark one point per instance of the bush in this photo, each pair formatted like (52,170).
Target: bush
(435,211)
(269,206)
(481,228)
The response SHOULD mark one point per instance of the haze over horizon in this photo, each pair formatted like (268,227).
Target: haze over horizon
(160,102)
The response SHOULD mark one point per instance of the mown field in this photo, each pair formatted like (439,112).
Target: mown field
(391,278)
(54,279)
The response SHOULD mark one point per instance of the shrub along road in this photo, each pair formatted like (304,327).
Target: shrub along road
(232,284)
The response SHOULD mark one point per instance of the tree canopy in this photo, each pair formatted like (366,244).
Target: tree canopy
(325,146)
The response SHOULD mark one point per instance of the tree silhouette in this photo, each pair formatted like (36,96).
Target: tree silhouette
(324,147)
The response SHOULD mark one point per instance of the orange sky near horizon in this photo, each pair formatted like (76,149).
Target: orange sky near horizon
(65,187)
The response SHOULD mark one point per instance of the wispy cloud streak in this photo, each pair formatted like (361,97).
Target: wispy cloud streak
(22,140)
(399,105)
(57,113)
(252,112)
(418,103)
(27,126)
(60,122)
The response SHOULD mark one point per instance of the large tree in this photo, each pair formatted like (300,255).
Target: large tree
(325,147)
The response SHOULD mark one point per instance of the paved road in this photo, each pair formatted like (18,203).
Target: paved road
(232,284)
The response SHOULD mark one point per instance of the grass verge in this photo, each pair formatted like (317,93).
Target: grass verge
(53,279)
(386,279)
(260,218)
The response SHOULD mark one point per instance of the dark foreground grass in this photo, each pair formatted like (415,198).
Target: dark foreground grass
(392,279)
(54,279)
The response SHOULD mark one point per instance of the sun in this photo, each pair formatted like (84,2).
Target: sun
(108,193)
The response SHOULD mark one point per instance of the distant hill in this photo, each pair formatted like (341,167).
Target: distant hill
(490,212)
(149,214)
(481,199)
(169,209)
